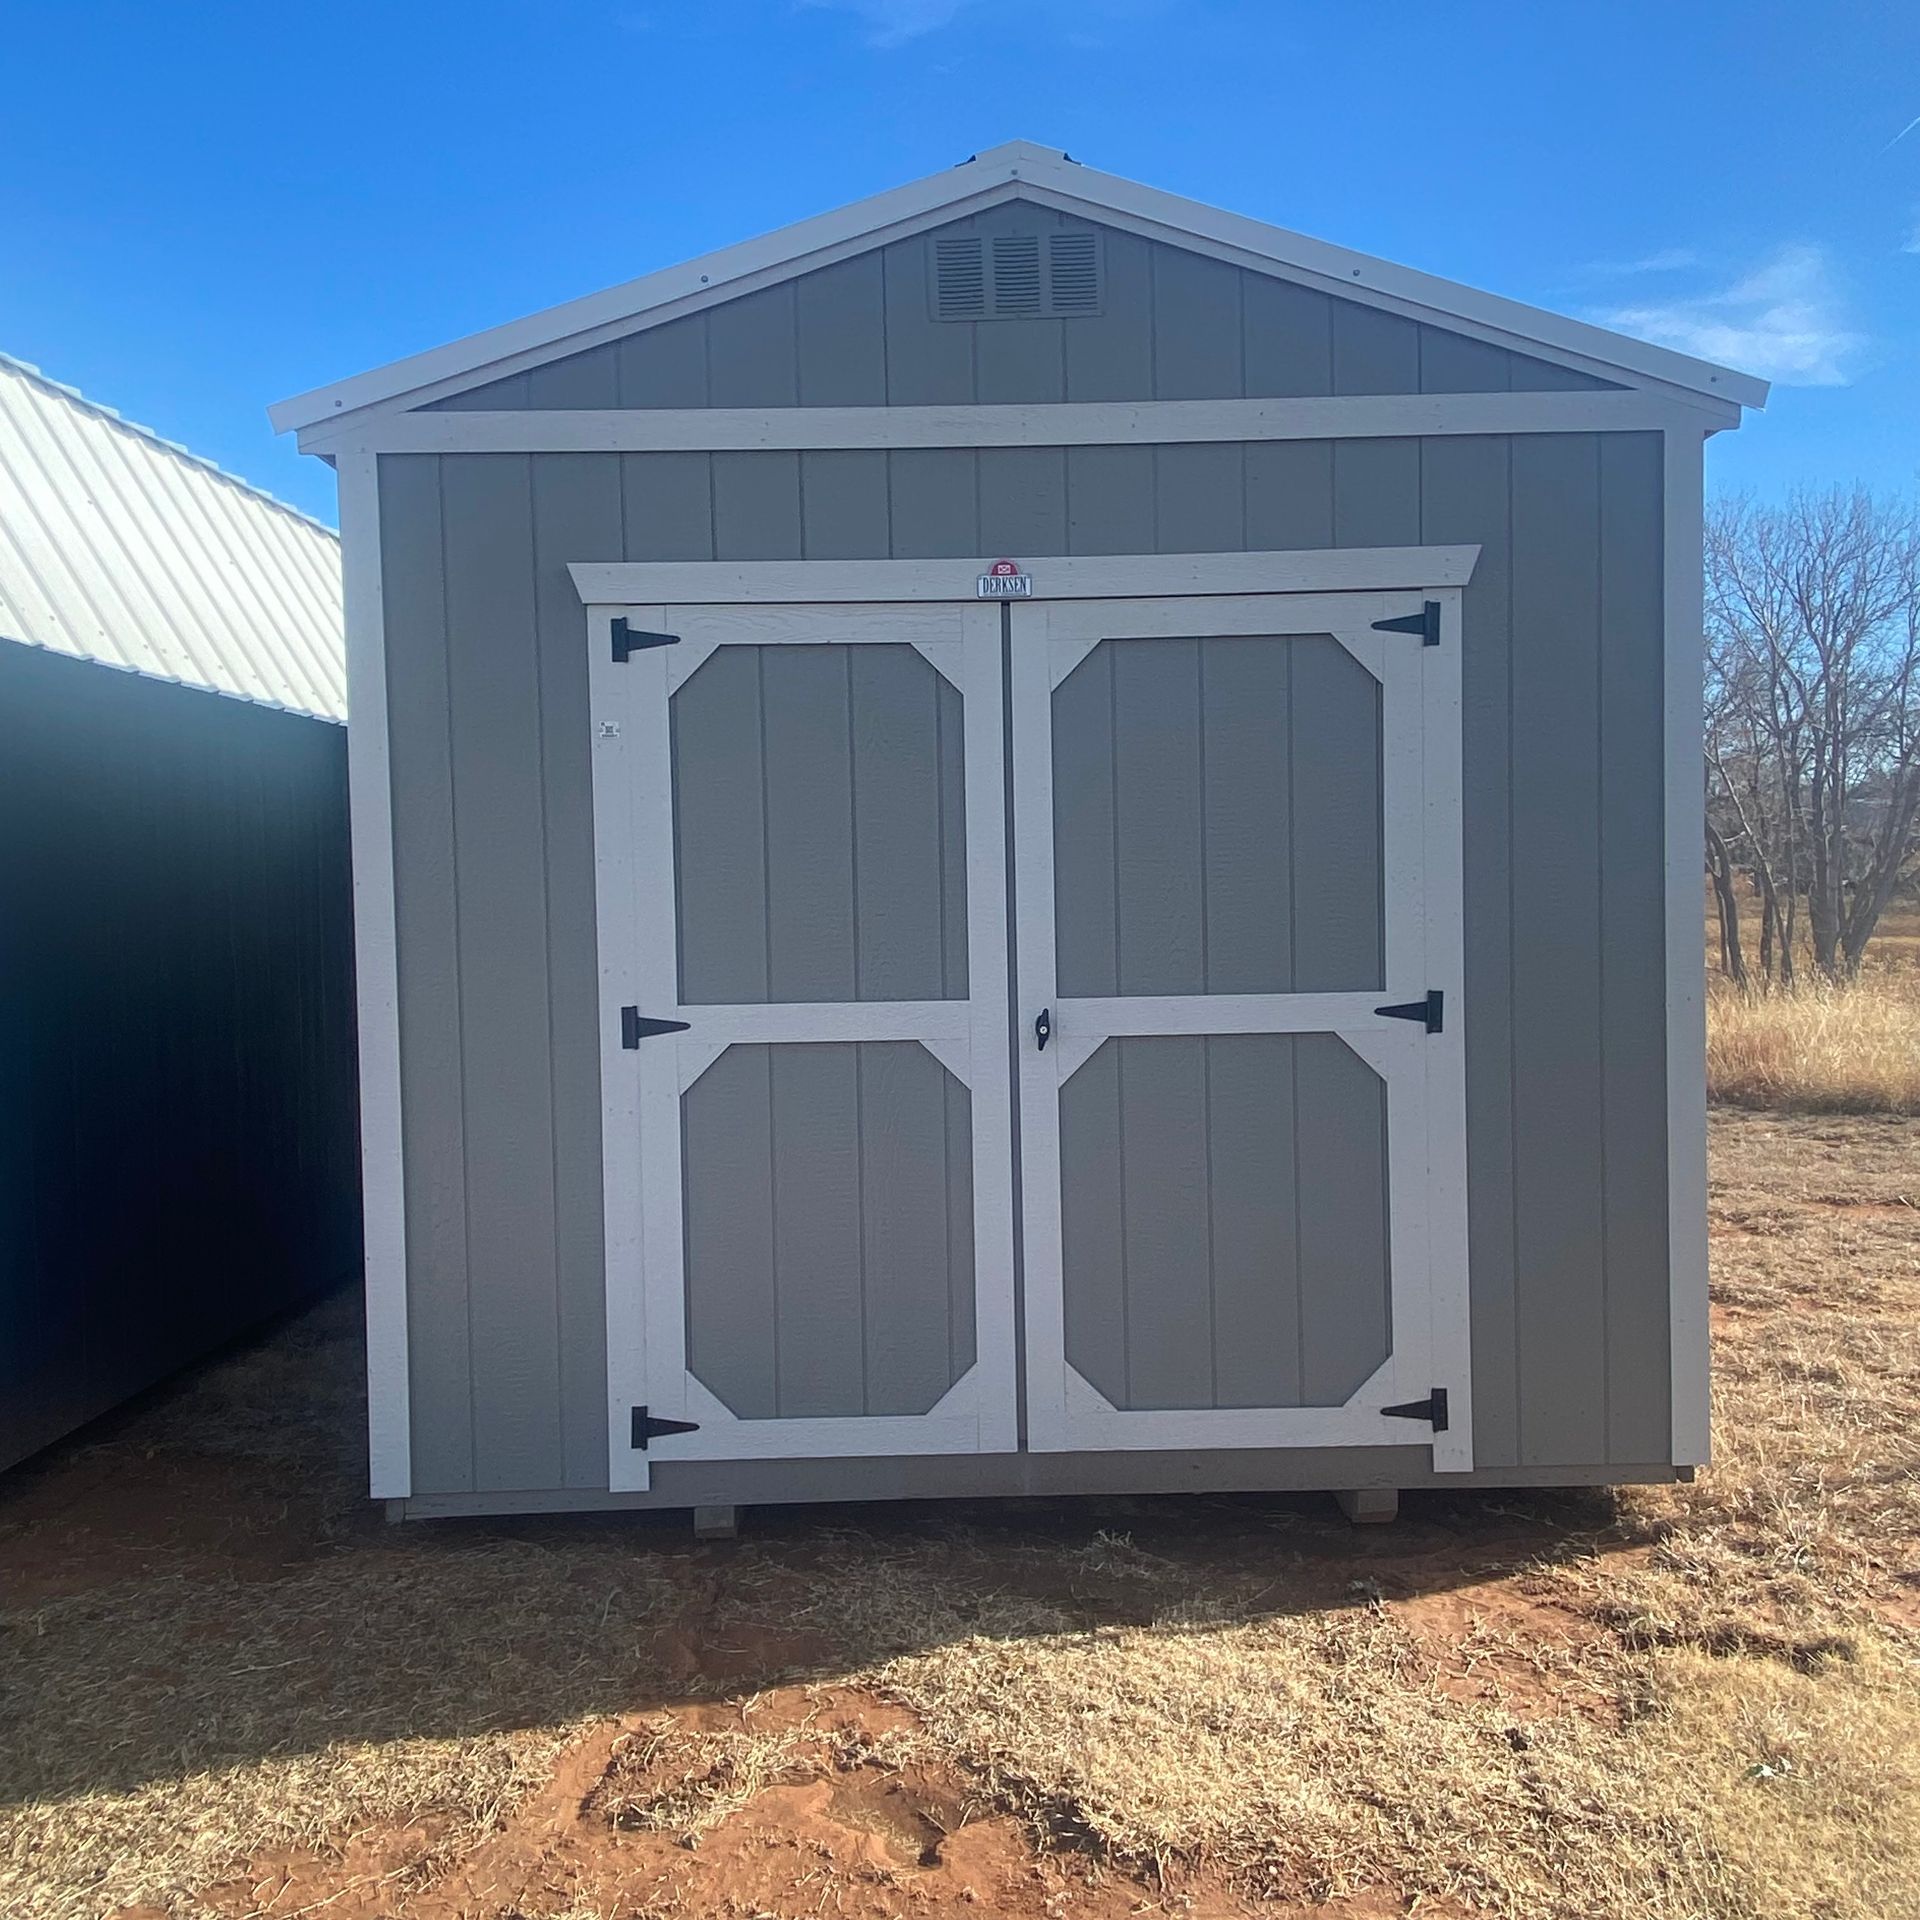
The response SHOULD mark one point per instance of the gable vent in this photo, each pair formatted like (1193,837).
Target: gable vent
(1016,276)
(960,280)
(1073,272)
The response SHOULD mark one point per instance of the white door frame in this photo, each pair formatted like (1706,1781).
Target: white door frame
(642,1085)
(1424,1073)
(641,591)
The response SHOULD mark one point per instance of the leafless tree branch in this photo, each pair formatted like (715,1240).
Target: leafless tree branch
(1813,718)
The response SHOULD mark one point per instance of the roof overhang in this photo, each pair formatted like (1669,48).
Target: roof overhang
(1017,170)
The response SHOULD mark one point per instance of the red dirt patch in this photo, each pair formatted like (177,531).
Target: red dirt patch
(866,1840)
(1493,1641)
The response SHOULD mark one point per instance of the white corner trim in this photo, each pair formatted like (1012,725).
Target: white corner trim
(1685,793)
(1016,169)
(1120,576)
(376,972)
(1044,424)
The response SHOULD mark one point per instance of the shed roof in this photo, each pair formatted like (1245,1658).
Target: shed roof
(1022,170)
(121,547)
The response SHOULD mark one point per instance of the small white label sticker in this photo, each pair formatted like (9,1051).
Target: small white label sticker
(1004,581)
(609,729)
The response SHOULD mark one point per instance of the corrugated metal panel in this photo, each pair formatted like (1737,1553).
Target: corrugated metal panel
(121,547)
(183,1017)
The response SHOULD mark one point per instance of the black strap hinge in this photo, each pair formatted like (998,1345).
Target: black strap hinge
(1433,1410)
(633,1029)
(631,640)
(647,1426)
(1426,623)
(1430,1012)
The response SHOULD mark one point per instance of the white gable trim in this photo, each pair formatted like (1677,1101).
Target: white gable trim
(1092,423)
(1018,170)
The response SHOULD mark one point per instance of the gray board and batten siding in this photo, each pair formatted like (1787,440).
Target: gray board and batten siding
(827,860)
(821,856)
(1218,829)
(493,820)
(1173,325)
(1267,1152)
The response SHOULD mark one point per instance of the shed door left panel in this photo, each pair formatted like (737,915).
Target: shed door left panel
(801,867)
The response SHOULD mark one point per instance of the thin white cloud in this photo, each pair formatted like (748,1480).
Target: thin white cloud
(1785,321)
(1902,134)
(1911,244)
(1078,23)
(1663,260)
(892,23)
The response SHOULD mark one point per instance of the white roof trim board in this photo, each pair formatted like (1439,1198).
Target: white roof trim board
(120,547)
(1017,170)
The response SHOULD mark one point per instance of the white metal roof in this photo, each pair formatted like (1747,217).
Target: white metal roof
(118,546)
(1019,169)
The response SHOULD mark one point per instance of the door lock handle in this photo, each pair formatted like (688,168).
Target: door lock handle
(1043,1028)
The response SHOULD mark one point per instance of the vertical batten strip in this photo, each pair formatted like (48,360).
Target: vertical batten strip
(1633,971)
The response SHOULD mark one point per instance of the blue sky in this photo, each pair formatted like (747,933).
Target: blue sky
(210,207)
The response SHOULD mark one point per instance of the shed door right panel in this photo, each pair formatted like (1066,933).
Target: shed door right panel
(1237,843)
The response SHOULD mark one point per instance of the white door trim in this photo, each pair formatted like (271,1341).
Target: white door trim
(1424,1074)
(641,1087)
(1113,576)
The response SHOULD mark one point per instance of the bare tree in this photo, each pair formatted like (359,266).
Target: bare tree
(1813,720)
(1726,901)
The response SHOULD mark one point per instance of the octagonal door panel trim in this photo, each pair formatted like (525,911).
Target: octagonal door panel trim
(1236,841)
(799,818)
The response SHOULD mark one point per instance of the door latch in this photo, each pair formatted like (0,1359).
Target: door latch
(1043,1028)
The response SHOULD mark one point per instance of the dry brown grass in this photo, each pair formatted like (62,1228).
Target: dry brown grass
(1724,1722)
(1823,1048)
(1317,1760)
(1696,1703)
(1820,1048)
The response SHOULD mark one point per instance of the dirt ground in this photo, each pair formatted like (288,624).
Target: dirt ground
(228,1688)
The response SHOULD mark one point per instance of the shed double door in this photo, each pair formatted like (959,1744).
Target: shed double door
(807,1144)
(1237,860)
(1234,826)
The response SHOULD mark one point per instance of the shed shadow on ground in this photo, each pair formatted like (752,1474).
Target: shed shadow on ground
(197,1582)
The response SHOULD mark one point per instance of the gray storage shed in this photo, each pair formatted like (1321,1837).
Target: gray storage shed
(1027,838)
